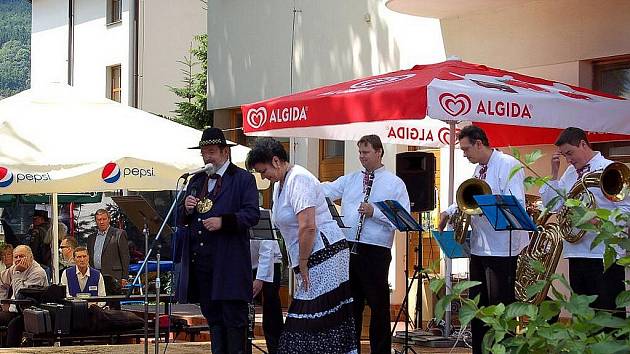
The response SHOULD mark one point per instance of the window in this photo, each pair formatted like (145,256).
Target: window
(114,11)
(113,83)
(331,154)
(612,76)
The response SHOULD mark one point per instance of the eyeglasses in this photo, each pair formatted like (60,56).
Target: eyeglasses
(62,247)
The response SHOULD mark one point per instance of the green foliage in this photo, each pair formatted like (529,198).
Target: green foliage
(526,328)
(15,46)
(193,111)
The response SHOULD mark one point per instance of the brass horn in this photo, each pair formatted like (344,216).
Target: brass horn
(467,205)
(613,181)
(546,243)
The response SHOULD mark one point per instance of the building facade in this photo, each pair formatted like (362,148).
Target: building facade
(126,50)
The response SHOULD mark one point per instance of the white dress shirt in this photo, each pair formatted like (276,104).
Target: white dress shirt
(211,181)
(377,230)
(265,253)
(582,248)
(83,278)
(302,190)
(484,240)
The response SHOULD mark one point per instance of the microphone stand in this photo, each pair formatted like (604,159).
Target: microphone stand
(144,267)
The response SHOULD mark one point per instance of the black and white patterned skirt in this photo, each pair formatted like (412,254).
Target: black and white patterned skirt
(320,319)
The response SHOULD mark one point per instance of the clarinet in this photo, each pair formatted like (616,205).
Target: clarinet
(357,236)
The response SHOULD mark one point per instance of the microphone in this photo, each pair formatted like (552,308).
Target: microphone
(209,169)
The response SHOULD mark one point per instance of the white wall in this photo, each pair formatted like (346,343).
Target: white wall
(98,45)
(166,33)
(250,59)
(49,42)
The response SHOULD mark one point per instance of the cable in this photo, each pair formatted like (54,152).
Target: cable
(173,285)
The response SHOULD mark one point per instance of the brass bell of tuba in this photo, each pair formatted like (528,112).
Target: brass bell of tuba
(613,181)
(467,206)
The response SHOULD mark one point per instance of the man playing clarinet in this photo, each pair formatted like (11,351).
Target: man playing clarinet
(370,235)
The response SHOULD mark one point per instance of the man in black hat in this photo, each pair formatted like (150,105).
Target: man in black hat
(218,210)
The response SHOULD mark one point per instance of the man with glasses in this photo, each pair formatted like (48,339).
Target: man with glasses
(68,244)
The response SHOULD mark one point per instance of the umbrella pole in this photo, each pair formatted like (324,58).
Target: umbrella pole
(448,264)
(55,238)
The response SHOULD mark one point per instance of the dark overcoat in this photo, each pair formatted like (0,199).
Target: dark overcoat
(224,253)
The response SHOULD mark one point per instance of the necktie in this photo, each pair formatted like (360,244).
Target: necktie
(217,185)
(583,170)
(483,171)
(366,180)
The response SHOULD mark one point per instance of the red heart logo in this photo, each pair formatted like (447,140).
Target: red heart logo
(257,117)
(455,105)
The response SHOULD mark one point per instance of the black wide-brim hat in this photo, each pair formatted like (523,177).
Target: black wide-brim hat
(212,136)
(42,213)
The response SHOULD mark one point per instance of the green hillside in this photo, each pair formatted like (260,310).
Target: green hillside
(15,46)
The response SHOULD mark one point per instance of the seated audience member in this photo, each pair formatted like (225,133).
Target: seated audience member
(66,248)
(6,256)
(24,273)
(81,279)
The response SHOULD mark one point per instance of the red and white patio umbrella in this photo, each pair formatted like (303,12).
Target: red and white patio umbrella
(397,107)
(513,109)
(413,107)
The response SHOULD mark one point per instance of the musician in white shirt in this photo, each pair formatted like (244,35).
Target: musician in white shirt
(266,265)
(586,267)
(369,268)
(492,260)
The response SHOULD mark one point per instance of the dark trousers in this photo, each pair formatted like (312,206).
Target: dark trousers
(272,310)
(15,328)
(587,277)
(369,271)
(227,320)
(497,275)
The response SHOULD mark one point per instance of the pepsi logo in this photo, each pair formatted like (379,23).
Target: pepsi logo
(111,173)
(455,105)
(6,177)
(257,117)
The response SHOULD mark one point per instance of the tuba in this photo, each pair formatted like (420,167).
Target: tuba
(545,246)
(546,243)
(467,206)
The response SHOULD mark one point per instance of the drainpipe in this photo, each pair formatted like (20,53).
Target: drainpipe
(133,53)
(70,42)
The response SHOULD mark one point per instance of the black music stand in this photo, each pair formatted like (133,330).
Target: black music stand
(404,222)
(144,217)
(263,231)
(335,215)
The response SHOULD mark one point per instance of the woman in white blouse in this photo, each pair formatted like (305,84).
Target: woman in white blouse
(319,319)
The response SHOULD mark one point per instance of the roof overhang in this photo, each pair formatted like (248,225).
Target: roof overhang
(448,8)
